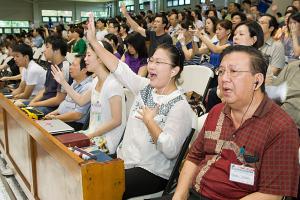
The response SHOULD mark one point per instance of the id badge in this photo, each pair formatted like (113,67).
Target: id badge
(242,174)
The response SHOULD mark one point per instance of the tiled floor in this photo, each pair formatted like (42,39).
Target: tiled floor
(3,193)
(9,188)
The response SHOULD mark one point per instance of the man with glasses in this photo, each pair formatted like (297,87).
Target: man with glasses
(68,110)
(248,146)
(157,36)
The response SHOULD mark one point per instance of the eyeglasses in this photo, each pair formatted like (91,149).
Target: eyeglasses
(152,60)
(230,73)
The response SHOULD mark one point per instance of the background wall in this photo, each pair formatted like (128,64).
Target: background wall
(16,10)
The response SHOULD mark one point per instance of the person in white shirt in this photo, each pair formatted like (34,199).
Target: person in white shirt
(174,25)
(107,112)
(33,75)
(101,29)
(159,121)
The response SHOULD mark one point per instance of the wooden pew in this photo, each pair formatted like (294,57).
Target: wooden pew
(46,169)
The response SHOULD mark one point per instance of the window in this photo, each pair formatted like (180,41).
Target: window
(97,14)
(46,19)
(129,4)
(147,5)
(203,1)
(54,15)
(13,26)
(7,30)
(171,3)
(16,30)
(68,19)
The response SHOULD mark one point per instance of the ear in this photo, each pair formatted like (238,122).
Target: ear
(254,39)
(259,78)
(175,71)
(228,32)
(271,28)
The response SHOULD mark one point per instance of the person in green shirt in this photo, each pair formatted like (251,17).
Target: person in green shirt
(80,45)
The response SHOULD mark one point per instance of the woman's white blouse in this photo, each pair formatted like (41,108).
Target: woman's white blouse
(174,118)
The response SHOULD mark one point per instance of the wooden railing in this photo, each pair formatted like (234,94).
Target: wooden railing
(46,169)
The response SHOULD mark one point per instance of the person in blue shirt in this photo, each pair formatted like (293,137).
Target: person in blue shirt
(223,32)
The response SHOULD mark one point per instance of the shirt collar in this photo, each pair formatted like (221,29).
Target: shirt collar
(87,79)
(269,41)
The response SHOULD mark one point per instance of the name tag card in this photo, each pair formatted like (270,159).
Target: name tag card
(242,174)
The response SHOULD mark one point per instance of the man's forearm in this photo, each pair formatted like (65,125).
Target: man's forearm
(185,180)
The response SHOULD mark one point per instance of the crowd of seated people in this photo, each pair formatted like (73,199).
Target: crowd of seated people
(246,134)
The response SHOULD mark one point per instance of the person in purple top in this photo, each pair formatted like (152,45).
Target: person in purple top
(136,55)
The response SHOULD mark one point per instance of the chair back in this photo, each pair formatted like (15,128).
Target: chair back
(38,53)
(196,78)
(175,172)
(87,120)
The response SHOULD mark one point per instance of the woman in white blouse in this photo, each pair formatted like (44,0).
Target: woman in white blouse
(159,121)
(107,119)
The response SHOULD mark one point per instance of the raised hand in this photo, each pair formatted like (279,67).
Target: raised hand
(57,74)
(123,9)
(91,32)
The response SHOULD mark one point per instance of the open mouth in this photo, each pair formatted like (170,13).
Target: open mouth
(152,75)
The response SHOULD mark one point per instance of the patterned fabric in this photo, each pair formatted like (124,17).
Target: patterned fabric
(270,135)
(148,100)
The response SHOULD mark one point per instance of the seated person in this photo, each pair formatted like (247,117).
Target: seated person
(248,136)
(53,94)
(223,32)
(69,111)
(291,103)
(186,44)
(155,130)
(9,66)
(136,55)
(107,102)
(113,40)
(33,75)
(80,45)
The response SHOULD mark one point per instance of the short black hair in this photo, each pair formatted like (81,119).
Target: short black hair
(115,23)
(126,27)
(80,32)
(58,43)
(102,20)
(258,63)
(255,30)
(112,37)
(23,49)
(83,64)
(272,22)
(164,18)
(241,14)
